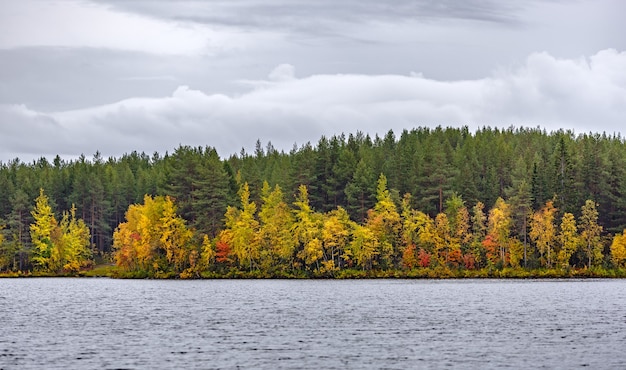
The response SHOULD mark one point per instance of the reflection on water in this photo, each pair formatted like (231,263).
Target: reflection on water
(103,323)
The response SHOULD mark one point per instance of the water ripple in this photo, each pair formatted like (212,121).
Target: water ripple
(393,324)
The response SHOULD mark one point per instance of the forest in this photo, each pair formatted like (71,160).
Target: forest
(431,202)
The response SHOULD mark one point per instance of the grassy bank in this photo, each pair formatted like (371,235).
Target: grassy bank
(112,271)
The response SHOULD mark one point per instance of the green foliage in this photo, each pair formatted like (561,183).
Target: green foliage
(473,178)
(196,178)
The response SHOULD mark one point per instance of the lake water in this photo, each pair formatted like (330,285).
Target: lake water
(106,324)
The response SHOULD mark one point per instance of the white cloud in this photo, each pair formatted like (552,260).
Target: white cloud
(76,23)
(284,72)
(586,94)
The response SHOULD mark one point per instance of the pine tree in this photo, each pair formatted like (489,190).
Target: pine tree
(359,192)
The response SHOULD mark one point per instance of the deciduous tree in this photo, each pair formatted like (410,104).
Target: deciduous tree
(618,250)
(307,229)
(45,257)
(336,233)
(590,233)
(500,228)
(569,240)
(543,231)
(276,222)
(153,238)
(385,223)
(242,230)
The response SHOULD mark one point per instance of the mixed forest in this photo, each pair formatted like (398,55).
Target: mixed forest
(429,202)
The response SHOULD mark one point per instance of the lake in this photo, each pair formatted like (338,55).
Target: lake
(82,323)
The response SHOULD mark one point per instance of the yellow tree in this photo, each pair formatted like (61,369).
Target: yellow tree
(362,248)
(459,218)
(207,254)
(307,229)
(153,238)
(58,246)
(618,250)
(336,233)
(409,223)
(276,221)
(516,252)
(73,242)
(243,229)
(127,241)
(590,233)
(134,241)
(385,223)
(45,256)
(174,237)
(418,231)
(499,229)
(543,231)
(442,241)
(568,240)
(427,235)
(479,232)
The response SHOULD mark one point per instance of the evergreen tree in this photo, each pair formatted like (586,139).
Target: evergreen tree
(520,198)
(197,180)
(19,221)
(360,191)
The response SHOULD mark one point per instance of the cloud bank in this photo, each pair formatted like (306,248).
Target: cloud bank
(552,93)
(80,24)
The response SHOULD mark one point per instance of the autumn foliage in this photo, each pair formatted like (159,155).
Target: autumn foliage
(58,246)
(279,237)
(155,240)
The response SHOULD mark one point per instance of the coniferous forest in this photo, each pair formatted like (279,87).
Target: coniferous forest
(427,203)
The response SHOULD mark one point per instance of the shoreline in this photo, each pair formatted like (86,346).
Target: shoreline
(422,273)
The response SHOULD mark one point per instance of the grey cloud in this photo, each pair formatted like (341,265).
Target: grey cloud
(576,94)
(25,132)
(451,40)
(320,16)
(53,79)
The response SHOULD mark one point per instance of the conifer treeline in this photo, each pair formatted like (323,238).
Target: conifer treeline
(525,167)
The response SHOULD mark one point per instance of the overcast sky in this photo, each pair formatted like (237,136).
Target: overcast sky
(79,76)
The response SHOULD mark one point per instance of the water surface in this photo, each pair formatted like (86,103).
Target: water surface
(106,324)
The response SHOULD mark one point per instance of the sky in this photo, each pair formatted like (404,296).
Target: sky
(113,76)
